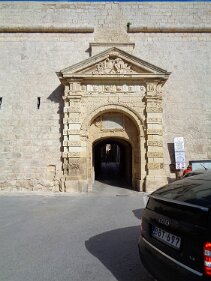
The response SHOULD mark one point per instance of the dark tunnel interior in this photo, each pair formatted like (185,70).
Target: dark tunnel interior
(113,162)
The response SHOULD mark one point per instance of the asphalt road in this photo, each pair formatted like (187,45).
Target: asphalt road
(80,237)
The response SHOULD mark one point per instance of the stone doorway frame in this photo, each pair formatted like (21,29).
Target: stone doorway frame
(136,141)
(77,118)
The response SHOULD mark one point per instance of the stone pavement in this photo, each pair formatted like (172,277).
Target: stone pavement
(71,237)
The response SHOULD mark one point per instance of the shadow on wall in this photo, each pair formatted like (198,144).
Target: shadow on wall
(171,152)
(172,168)
(56,97)
(117,250)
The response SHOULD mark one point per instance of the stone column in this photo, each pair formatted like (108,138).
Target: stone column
(72,164)
(155,171)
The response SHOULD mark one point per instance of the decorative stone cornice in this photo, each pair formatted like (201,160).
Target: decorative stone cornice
(47,29)
(145,29)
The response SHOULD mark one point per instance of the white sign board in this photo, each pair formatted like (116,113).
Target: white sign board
(179,144)
(179,156)
(179,150)
(180,166)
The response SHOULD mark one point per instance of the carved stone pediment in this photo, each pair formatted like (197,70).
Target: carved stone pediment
(113,63)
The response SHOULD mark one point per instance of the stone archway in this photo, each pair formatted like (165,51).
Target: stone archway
(113,82)
(115,127)
(125,109)
(112,161)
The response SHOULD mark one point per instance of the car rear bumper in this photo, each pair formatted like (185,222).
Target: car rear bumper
(164,267)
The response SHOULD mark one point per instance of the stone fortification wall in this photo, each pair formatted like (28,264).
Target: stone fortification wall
(195,14)
(35,43)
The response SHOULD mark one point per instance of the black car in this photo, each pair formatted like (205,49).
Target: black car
(175,241)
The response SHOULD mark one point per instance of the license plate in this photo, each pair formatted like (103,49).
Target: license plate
(166,237)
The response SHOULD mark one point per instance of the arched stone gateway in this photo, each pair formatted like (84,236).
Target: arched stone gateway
(114,139)
(112,162)
(113,102)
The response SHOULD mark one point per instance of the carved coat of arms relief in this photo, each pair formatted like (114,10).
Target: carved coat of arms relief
(113,66)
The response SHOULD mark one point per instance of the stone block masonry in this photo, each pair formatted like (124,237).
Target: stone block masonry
(33,48)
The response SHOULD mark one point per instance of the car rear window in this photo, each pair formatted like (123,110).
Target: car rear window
(193,190)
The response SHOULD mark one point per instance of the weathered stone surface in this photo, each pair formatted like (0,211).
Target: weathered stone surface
(31,139)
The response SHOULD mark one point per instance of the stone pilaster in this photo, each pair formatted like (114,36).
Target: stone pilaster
(74,166)
(154,134)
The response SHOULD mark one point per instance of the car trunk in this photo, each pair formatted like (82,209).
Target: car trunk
(185,223)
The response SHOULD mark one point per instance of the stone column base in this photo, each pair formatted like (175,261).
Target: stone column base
(154,182)
(75,185)
(139,185)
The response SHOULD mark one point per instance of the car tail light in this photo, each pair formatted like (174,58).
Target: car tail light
(207,258)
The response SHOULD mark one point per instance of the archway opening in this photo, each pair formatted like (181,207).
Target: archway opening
(112,160)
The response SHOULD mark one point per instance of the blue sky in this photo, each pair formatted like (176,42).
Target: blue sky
(105,1)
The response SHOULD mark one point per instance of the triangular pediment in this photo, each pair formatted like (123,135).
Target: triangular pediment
(113,63)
